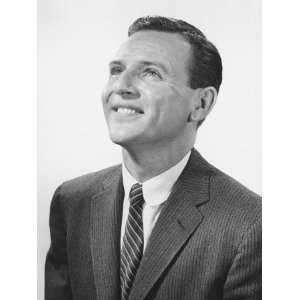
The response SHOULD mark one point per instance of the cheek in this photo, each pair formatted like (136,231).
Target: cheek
(165,102)
(104,95)
(156,102)
(172,103)
(106,92)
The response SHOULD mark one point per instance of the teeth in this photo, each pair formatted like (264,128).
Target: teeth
(124,110)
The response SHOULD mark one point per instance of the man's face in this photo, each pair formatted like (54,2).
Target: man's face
(147,99)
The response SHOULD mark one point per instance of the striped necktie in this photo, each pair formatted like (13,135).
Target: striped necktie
(133,240)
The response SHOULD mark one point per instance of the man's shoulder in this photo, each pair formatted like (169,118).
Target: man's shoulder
(221,184)
(228,198)
(91,181)
(229,188)
(233,202)
(232,210)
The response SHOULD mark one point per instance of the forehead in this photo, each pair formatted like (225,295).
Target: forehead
(163,47)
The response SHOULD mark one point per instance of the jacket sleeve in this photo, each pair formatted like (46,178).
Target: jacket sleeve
(57,281)
(244,277)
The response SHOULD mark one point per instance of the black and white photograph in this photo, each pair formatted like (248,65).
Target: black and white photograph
(149,150)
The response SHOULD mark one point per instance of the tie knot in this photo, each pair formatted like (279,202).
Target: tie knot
(136,194)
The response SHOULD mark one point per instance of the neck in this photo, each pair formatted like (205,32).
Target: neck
(144,162)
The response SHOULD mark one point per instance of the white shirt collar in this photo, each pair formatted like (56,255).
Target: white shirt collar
(156,189)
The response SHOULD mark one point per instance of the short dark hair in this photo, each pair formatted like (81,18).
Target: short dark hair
(205,66)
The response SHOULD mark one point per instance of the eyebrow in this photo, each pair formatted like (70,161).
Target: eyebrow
(143,63)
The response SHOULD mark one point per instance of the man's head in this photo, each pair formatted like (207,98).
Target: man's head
(205,65)
(163,82)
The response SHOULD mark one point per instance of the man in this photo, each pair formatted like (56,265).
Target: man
(165,224)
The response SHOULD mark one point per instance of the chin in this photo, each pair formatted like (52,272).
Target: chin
(122,138)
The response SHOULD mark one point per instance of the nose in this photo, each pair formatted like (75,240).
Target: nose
(125,86)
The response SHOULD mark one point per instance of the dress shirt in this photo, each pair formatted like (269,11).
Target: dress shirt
(156,190)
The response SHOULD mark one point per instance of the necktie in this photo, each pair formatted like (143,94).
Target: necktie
(133,240)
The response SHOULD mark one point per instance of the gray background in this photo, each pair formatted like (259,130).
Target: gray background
(77,38)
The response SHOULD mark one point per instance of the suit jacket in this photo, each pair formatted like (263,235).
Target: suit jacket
(205,245)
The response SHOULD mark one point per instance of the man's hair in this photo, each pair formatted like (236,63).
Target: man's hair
(205,64)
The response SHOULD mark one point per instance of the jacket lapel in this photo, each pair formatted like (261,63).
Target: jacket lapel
(177,222)
(106,215)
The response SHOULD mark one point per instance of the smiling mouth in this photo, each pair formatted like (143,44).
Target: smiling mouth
(127,110)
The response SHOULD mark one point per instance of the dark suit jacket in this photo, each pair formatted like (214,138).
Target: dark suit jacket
(205,245)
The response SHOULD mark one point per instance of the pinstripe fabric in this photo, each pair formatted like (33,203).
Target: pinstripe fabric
(133,241)
(205,245)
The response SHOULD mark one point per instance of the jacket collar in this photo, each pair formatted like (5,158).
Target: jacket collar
(178,220)
(105,224)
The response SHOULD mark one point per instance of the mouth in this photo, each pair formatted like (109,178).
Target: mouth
(127,110)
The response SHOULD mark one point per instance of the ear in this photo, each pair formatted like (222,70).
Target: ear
(203,101)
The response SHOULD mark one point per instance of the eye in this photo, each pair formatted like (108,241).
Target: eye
(115,70)
(152,73)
